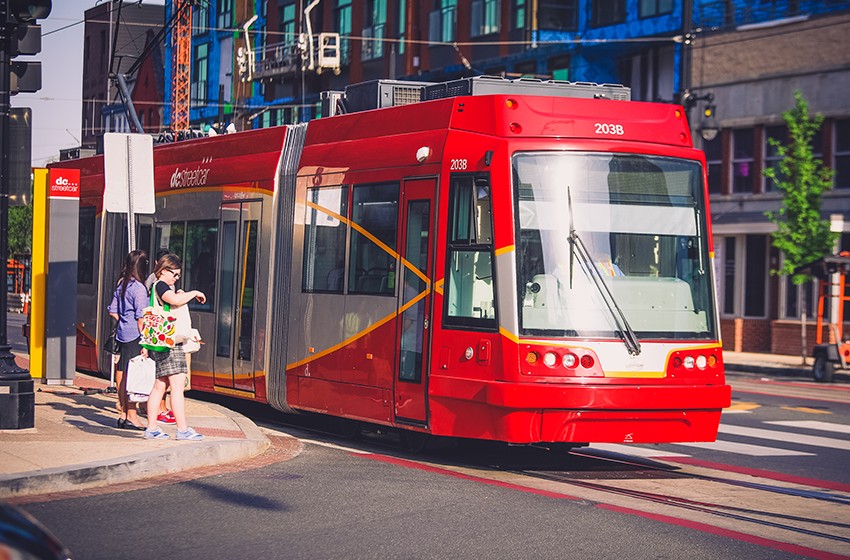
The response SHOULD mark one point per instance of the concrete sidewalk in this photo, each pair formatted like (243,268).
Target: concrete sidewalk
(76,444)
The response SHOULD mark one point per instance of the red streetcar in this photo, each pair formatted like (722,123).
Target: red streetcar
(519,261)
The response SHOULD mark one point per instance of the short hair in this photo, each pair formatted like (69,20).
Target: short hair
(161,253)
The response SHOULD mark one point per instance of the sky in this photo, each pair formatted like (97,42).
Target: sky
(57,107)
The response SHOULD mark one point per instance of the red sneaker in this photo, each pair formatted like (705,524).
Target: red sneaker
(166,418)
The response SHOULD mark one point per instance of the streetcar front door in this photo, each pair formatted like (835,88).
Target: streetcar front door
(414,302)
(235,322)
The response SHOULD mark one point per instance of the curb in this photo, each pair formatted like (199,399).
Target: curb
(139,466)
(770,370)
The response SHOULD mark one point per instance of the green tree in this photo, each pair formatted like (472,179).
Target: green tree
(20,230)
(801,234)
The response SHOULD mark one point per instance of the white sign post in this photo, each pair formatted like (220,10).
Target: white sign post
(128,170)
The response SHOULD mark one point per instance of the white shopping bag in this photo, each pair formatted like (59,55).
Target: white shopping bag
(141,375)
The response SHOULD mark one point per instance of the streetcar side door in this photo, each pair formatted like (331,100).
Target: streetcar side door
(414,299)
(235,321)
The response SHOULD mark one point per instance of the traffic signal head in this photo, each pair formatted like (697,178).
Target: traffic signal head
(29,10)
(25,76)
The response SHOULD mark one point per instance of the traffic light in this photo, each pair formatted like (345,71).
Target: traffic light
(24,37)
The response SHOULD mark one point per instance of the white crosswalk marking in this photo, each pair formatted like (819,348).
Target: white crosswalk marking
(788,437)
(634,450)
(745,449)
(813,425)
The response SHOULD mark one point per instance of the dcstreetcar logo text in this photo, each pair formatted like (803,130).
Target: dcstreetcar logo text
(189,178)
(65,183)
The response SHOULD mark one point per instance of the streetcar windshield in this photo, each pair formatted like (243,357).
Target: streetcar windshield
(642,221)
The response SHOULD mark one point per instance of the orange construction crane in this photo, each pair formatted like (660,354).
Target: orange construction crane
(181,65)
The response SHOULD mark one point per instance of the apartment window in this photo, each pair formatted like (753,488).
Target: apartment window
(86,56)
(755,276)
(793,295)
(324,240)
(200,18)
(742,160)
(558,15)
(485,17)
(608,12)
(342,17)
(518,14)
(225,14)
(714,159)
(401,10)
(442,21)
(286,23)
(842,155)
(729,274)
(103,47)
(373,29)
(559,68)
(777,133)
(200,74)
(652,8)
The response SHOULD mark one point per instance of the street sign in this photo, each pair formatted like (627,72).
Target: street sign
(128,166)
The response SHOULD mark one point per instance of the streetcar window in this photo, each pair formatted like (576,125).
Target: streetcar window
(85,246)
(169,236)
(641,222)
(374,215)
(199,264)
(324,240)
(469,298)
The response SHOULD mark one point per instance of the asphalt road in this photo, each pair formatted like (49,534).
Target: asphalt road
(331,503)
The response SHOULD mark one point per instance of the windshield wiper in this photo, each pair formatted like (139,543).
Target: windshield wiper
(577,247)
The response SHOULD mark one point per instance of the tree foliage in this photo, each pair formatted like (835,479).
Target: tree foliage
(20,230)
(801,233)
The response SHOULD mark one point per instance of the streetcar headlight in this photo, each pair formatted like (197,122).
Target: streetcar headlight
(689,362)
(531,358)
(570,360)
(712,360)
(587,361)
(550,359)
(677,362)
(702,361)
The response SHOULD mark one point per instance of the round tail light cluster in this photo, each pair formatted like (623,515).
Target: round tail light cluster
(691,361)
(552,359)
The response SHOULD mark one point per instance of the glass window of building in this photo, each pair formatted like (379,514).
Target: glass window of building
(200,74)
(225,14)
(557,15)
(484,17)
(607,12)
(742,160)
(401,27)
(842,155)
(518,14)
(714,159)
(652,8)
(772,135)
(342,22)
(373,29)
(200,18)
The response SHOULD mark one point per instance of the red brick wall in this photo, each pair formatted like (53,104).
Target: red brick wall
(786,337)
